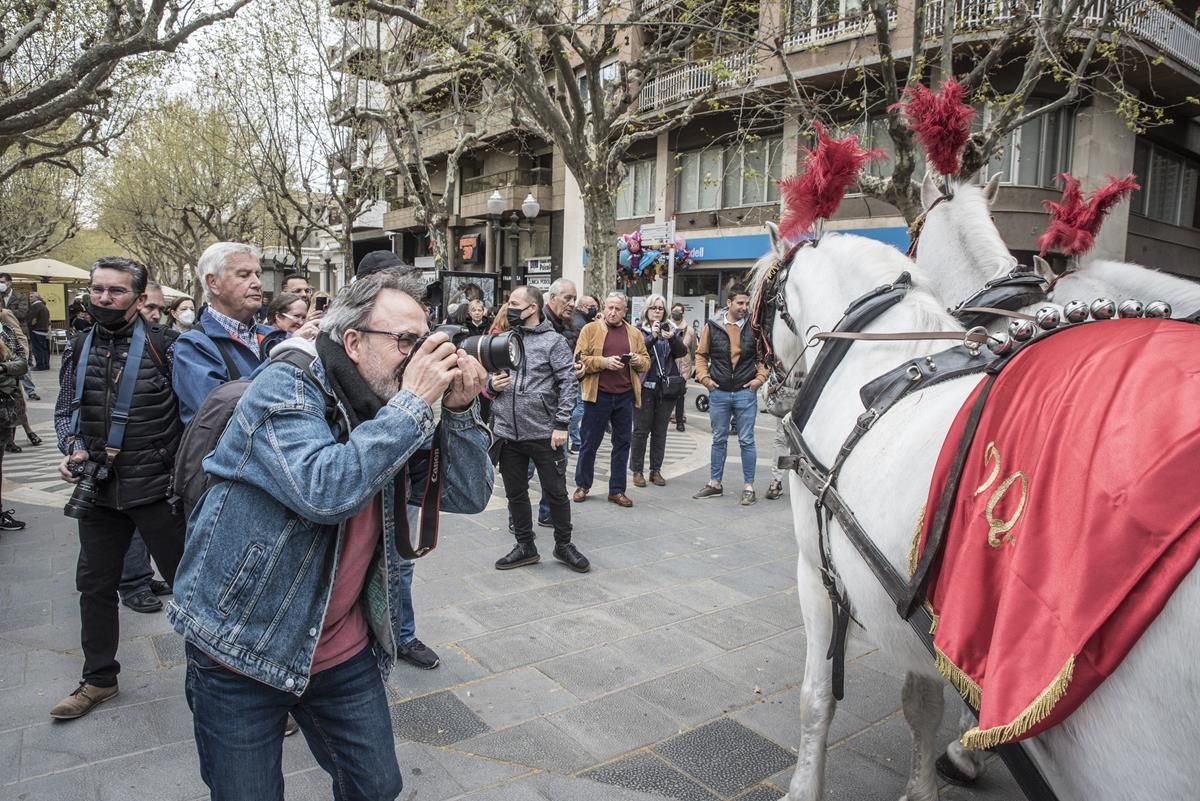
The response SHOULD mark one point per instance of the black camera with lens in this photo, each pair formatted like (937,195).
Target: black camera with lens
(496,352)
(83,499)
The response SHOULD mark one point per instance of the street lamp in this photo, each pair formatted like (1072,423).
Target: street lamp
(495,207)
(327,257)
(530,207)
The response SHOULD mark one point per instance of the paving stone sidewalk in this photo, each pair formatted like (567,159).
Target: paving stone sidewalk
(671,670)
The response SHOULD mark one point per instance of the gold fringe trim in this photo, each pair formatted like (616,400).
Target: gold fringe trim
(914,550)
(1035,713)
(966,686)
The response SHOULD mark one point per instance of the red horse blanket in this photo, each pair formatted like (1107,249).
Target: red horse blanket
(1077,516)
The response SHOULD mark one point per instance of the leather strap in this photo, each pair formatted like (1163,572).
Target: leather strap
(993,311)
(976,335)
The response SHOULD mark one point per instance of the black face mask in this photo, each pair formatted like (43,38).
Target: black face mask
(590,314)
(110,317)
(676,316)
(515,320)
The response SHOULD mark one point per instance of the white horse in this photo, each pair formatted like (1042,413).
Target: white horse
(1132,740)
(960,250)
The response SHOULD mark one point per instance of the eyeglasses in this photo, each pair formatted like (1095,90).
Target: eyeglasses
(657,308)
(114,292)
(294,318)
(404,339)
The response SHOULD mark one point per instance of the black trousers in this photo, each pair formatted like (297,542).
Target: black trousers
(551,466)
(650,422)
(104,536)
(680,410)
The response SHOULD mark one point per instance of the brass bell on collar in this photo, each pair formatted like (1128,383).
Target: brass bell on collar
(1022,330)
(1047,318)
(1076,311)
(1130,308)
(1103,309)
(1158,309)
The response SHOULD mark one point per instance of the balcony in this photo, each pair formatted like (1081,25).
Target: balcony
(403,218)
(1148,21)
(441,135)
(811,32)
(724,72)
(513,186)
(354,98)
(360,49)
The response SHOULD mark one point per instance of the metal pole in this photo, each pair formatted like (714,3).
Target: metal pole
(671,276)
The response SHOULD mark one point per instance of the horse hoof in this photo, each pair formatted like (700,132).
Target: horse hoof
(950,772)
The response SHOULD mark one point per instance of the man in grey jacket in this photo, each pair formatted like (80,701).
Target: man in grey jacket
(532,410)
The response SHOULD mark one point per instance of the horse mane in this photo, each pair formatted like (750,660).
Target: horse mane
(1145,283)
(1074,222)
(941,122)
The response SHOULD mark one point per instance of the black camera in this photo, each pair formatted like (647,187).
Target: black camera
(496,352)
(84,497)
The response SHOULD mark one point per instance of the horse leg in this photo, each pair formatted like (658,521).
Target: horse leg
(817,704)
(959,765)
(923,706)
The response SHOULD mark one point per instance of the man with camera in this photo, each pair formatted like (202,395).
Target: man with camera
(612,354)
(531,410)
(118,424)
(288,594)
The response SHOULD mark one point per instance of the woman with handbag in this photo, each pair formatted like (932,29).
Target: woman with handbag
(661,387)
(12,366)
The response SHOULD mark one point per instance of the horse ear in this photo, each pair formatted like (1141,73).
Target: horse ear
(992,189)
(1043,268)
(929,191)
(778,243)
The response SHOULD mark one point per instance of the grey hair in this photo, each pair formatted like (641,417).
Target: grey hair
(152,285)
(556,288)
(616,293)
(216,258)
(353,305)
(650,302)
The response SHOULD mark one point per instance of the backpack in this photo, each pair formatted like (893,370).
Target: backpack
(209,423)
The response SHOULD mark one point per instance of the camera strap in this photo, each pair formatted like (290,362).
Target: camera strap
(431,502)
(128,380)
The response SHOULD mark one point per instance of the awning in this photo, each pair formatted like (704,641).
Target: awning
(170,293)
(46,271)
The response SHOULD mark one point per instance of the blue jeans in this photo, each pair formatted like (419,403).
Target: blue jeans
(742,406)
(408,620)
(573,430)
(136,572)
(617,409)
(343,714)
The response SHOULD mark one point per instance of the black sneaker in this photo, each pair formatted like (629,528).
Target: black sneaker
(523,553)
(545,522)
(775,490)
(570,556)
(143,602)
(418,654)
(10,523)
(160,587)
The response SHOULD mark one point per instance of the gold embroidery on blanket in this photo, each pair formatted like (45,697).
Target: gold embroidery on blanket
(996,525)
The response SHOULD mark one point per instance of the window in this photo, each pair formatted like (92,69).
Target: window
(810,13)
(1170,184)
(608,76)
(745,174)
(1035,153)
(635,198)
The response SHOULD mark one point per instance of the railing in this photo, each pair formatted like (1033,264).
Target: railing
(534,176)
(355,95)
(1146,20)
(694,79)
(850,26)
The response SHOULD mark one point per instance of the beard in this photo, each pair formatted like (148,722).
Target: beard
(383,382)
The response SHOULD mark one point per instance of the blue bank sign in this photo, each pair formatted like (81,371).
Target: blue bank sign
(751,246)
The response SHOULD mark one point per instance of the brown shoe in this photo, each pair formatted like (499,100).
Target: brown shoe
(580,494)
(656,479)
(620,499)
(639,480)
(80,702)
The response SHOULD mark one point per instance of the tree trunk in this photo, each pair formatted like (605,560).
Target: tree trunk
(600,233)
(440,245)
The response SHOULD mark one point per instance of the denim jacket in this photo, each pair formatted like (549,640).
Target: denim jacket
(263,544)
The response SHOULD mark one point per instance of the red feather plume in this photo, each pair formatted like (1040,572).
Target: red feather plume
(1074,222)
(942,123)
(830,169)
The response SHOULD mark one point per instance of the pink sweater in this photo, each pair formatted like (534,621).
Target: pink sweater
(345,630)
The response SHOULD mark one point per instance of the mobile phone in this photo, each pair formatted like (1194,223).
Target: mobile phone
(626,358)
(321,303)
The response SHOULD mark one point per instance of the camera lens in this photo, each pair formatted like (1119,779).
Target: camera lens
(496,352)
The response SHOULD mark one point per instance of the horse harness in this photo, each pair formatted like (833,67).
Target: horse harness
(878,396)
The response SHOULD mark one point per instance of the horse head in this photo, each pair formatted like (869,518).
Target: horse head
(959,248)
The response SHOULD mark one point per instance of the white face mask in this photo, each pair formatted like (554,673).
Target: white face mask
(187,317)
(3,287)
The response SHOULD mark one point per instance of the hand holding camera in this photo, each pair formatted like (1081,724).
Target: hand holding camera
(431,368)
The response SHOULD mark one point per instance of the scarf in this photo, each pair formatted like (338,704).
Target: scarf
(348,385)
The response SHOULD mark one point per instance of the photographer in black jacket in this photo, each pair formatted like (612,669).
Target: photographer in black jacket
(118,424)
